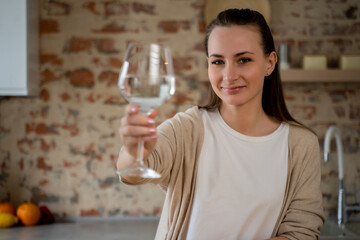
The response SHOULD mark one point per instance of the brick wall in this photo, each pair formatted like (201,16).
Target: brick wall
(60,149)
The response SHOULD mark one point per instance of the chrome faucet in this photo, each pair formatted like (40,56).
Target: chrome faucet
(342,208)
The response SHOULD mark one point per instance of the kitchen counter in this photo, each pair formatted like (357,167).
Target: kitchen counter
(86,229)
(98,228)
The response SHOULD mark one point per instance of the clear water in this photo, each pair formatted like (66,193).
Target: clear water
(148,93)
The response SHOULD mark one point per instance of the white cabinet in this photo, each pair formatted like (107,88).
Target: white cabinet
(19,47)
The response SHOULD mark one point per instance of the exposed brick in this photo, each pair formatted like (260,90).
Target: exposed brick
(156,211)
(183,63)
(44,95)
(354,112)
(341,45)
(112,27)
(47,76)
(115,62)
(311,46)
(38,195)
(77,44)
(92,97)
(202,26)
(82,78)
(337,96)
(116,8)
(199,47)
(40,128)
(72,128)
(89,212)
(110,77)
(143,8)
(295,14)
(45,146)
(49,26)
(52,59)
(4,131)
(91,6)
(289,98)
(111,62)
(65,97)
(173,26)
(304,112)
(340,111)
(115,100)
(25,144)
(73,113)
(69,164)
(106,45)
(57,8)
(181,98)
(334,29)
(41,164)
(21,163)
(4,166)
(43,182)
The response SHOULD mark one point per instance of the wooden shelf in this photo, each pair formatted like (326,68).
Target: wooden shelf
(301,75)
(328,75)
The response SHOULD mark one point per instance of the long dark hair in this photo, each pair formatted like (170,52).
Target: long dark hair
(273,101)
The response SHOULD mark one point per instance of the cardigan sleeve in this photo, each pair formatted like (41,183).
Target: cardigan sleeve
(162,156)
(176,147)
(303,214)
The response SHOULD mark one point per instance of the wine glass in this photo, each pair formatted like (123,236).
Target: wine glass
(147,80)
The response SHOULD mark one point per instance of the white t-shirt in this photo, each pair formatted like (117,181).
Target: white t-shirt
(240,183)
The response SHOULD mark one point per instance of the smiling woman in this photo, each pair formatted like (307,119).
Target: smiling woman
(241,158)
(237,64)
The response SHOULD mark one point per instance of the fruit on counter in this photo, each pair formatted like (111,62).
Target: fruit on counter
(7,207)
(7,220)
(28,213)
(46,215)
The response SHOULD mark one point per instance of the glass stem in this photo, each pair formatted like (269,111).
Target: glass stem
(140,152)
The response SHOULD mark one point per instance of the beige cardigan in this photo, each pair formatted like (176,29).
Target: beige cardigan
(176,156)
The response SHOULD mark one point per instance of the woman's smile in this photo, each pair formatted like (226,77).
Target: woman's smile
(232,89)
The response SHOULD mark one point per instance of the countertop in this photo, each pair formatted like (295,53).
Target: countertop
(86,229)
(101,228)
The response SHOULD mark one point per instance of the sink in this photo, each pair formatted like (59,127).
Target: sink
(331,231)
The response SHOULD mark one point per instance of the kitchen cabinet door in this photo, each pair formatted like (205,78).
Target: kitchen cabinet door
(19,47)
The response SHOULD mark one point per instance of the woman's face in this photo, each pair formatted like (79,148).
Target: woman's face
(237,65)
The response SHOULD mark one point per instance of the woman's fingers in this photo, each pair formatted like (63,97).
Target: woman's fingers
(133,141)
(131,109)
(137,131)
(133,118)
(134,125)
(137,120)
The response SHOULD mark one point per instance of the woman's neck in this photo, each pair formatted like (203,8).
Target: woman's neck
(248,120)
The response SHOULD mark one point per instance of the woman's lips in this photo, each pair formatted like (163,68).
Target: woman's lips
(232,90)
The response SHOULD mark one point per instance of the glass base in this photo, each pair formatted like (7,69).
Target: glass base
(139,171)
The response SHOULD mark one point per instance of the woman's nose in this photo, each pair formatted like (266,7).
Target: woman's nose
(229,73)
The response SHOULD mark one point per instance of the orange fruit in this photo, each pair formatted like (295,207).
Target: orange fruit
(7,207)
(28,213)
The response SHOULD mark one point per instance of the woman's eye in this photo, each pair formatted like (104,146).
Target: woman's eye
(217,62)
(244,60)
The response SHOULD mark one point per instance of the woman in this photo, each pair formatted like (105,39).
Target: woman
(240,167)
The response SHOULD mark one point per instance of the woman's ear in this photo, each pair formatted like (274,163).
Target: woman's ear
(272,60)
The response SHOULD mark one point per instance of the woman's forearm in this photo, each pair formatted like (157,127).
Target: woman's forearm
(278,238)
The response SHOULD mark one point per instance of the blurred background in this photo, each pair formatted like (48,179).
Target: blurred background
(59,148)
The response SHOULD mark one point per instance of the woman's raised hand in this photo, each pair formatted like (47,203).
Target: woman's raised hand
(135,126)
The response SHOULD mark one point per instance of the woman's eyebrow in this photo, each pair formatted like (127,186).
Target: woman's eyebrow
(236,55)
(242,53)
(216,55)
